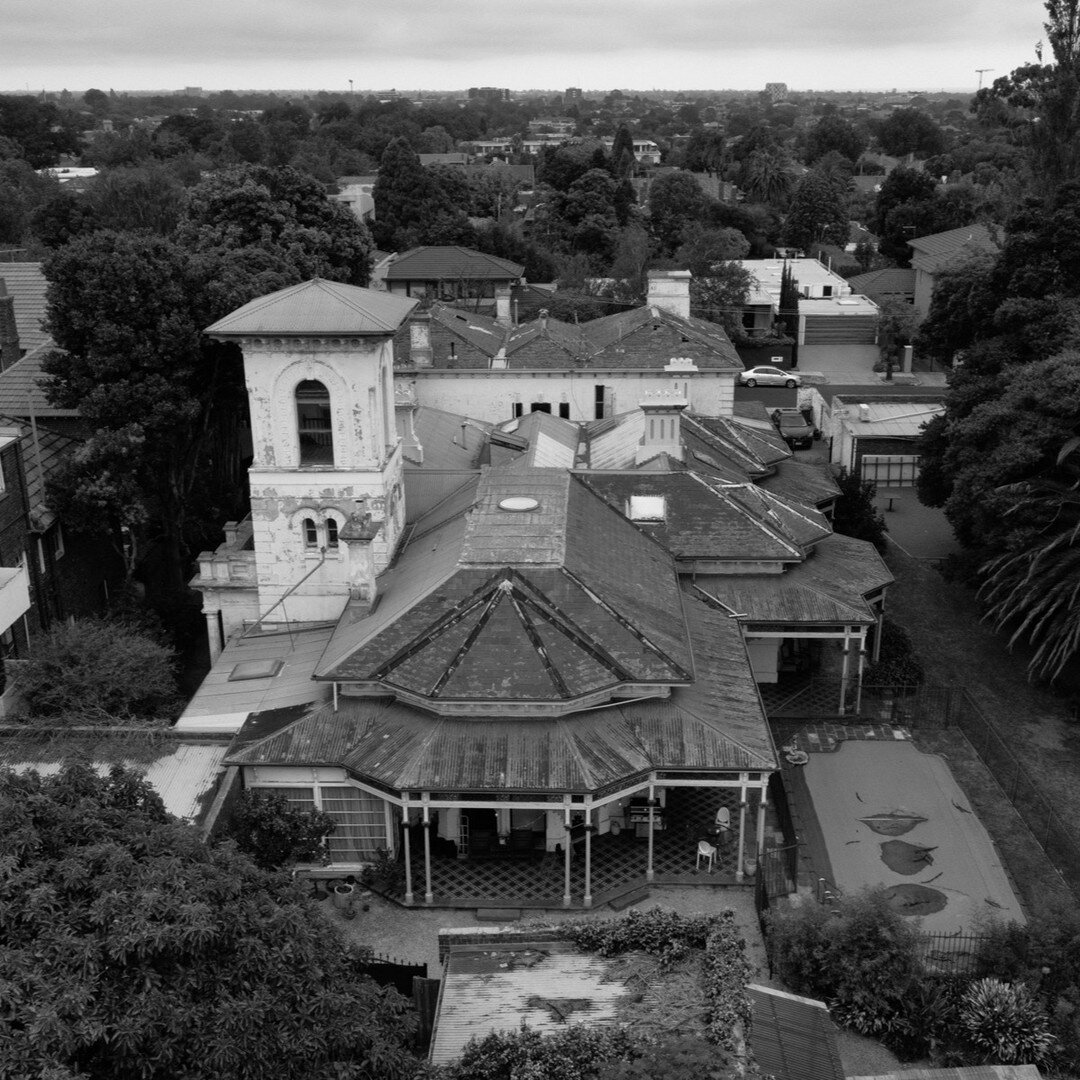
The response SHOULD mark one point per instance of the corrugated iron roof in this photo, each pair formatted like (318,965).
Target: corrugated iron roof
(223,705)
(793,1038)
(891,419)
(487,989)
(316,307)
(184,774)
(717,725)
(546,598)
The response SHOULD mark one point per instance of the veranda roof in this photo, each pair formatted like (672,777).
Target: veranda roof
(715,726)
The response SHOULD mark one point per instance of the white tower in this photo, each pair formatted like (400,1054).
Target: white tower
(327,506)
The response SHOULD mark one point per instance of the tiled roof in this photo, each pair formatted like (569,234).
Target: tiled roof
(715,725)
(447,440)
(317,307)
(891,282)
(21,392)
(810,482)
(544,604)
(935,251)
(451,263)
(43,454)
(26,284)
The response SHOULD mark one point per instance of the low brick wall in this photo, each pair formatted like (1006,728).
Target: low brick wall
(496,936)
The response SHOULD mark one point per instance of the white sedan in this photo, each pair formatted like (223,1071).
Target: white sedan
(768,376)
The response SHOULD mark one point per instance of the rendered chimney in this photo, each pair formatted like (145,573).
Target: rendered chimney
(9,332)
(663,434)
(420,339)
(669,290)
(502,305)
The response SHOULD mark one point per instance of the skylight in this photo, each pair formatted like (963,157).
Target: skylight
(647,508)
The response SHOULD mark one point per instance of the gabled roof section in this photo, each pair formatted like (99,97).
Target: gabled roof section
(886,284)
(935,251)
(316,307)
(540,594)
(451,263)
(552,441)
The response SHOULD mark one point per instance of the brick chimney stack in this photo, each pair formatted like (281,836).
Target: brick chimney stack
(9,333)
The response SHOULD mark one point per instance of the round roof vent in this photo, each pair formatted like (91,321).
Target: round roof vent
(519,504)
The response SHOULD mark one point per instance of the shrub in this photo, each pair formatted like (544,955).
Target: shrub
(727,971)
(385,875)
(859,955)
(1004,1023)
(898,665)
(660,933)
(95,671)
(855,514)
(275,834)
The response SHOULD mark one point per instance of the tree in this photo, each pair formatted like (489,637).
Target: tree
(910,131)
(832,133)
(766,176)
(93,670)
(855,513)
(817,214)
(97,101)
(623,159)
(132,951)
(267,827)
(675,202)
(898,323)
(40,130)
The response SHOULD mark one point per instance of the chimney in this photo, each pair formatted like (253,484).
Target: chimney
(543,318)
(669,290)
(502,305)
(356,535)
(663,435)
(9,332)
(420,339)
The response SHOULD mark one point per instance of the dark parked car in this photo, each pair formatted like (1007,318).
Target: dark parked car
(792,425)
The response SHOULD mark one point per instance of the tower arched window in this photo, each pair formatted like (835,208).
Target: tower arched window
(331,533)
(313,423)
(311,533)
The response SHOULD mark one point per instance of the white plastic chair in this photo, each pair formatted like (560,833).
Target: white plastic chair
(706,851)
(723,822)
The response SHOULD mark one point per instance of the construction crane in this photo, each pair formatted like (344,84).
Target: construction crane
(981,72)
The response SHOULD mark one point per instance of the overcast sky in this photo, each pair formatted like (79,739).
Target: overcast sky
(450,44)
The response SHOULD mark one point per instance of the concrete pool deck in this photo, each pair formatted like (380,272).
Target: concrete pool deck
(873,798)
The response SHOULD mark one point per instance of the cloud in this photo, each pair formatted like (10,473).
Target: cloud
(298,38)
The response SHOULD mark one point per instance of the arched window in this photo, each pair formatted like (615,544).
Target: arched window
(331,533)
(313,423)
(311,533)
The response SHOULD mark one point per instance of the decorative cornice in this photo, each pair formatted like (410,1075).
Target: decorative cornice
(306,343)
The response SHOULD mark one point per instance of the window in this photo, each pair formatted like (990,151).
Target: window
(311,533)
(826,290)
(519,409)
(313,423)
(564,409)
(331,533)
(540,406)
(360,820)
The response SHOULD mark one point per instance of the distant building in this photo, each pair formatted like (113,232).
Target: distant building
(572,93)
(489,93)
(778,91)
(941,251)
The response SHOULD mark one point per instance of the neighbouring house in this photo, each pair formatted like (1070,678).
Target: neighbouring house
(485,368)
(876,437)
(356,192)
(940,251)
(893,283)
(538,641)
(454,275)
(830,311)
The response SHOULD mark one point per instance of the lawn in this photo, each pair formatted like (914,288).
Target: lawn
(957,649)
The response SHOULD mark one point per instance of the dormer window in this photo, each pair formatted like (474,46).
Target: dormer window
(646,508)
(313,423)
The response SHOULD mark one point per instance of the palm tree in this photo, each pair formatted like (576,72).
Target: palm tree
(1034,589)
(766,177)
